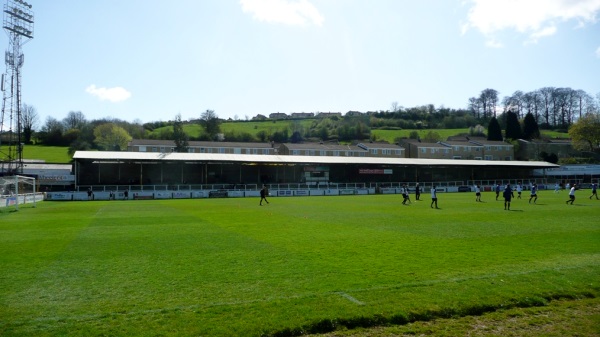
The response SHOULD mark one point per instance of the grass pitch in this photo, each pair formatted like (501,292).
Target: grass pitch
(225,267)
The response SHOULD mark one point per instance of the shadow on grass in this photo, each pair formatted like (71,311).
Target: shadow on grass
(330,325)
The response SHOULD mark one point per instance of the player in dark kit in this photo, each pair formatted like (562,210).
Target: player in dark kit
(594,191)
(263,194)
(507,194)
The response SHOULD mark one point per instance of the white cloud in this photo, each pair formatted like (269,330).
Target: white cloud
(534,18)
(300,12)
(116,94)
(598,52)
(493,43)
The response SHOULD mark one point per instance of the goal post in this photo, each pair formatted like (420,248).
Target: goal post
(18,190)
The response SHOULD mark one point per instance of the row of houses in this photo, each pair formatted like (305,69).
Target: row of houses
(281,115)
(474,149)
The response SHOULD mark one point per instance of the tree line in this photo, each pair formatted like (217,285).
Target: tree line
(550,107)
(521,115)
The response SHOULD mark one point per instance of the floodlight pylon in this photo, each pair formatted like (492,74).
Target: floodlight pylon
(18,24)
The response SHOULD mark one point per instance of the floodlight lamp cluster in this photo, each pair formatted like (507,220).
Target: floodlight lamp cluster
(20,18)
(24,3)
(23,14)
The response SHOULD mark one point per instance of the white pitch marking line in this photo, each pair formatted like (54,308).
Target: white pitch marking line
(350,298)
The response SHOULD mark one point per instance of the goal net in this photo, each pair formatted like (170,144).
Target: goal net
(18,190)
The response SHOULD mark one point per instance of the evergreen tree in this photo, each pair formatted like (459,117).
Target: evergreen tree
(513,128)
(530,127)
(179,136)
(494,130)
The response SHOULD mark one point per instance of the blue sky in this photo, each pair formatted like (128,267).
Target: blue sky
(144,60)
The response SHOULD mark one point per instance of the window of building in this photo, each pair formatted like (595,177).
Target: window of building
(423,150)
(336,153)
(488,157)
(373,151)
(295,152)
(154,149)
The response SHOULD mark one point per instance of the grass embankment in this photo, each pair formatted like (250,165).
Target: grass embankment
(226,267)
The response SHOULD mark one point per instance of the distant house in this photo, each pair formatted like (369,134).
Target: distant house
(354,113)
(464,149)
(259,117)
(167,146)
(533,149)
(496,150)
(278,115)
(329,114)
(476,148)
(417,149)
(383,150)
(303,115)
(321,149)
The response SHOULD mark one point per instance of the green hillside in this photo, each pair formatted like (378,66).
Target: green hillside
(254,128)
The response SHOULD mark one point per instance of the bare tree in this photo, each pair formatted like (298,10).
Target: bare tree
(546,100)
(74,120)
(29,121)
(531,104)
(489,101)
(475,107)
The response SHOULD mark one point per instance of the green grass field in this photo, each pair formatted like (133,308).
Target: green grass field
(227,267)
(239,127)
(391,135)
(50,154)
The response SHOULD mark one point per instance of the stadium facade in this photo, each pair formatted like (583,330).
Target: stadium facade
(93,168)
